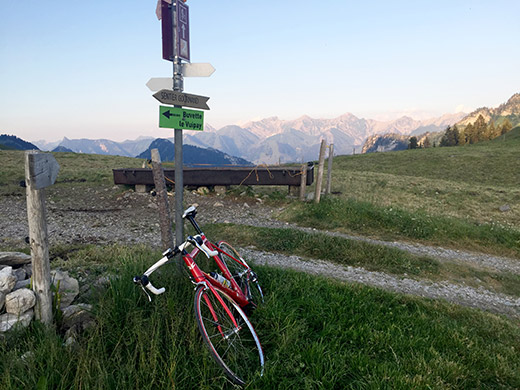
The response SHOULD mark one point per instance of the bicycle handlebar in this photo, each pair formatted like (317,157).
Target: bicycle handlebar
(143,280)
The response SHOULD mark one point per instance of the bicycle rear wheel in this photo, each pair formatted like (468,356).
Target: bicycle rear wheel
(244,275)
(236,349)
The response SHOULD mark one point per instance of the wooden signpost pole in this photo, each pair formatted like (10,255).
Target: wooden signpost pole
(319,179)
(329,170)
(162,194)
(41,170)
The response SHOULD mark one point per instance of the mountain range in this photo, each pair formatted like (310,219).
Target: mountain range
(509,110)
(192,155)
(273,140)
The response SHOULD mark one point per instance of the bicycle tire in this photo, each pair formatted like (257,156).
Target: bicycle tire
(249,282)
(237,351)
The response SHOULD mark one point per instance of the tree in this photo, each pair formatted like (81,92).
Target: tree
(427,143)
(450,137)
(493,131)
(470,134)
(413,143)
(458,136)
(506,127)
(480,126)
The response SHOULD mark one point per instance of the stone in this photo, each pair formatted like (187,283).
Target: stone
(20,274)
(22,284)
(218,204)
(2,301)
(19,301)
(77,316)
(9,321)
(202,190)
(7,280)
(28,270)
(14,258)
(67,287)
(505,208)
(220,190)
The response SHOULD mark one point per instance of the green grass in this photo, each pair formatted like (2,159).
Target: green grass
(371,257)
(316,334)
(469,182)
(75,168)
(393,223)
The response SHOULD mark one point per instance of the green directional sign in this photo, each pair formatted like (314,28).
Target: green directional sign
(181,118)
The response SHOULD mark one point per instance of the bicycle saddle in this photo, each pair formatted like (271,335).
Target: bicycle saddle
(190,212)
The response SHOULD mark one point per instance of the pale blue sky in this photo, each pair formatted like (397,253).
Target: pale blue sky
(78,68)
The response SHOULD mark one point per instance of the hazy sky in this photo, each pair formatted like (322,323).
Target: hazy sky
(79,68)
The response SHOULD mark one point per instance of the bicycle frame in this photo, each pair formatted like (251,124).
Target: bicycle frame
(200,276)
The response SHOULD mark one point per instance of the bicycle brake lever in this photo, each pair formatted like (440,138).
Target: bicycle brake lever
(148,295)
(137,280)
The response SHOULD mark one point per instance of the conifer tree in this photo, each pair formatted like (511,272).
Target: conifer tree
(480,129)
(506,127)
(413,143)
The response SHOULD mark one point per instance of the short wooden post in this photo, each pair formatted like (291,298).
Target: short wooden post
(319,179)
(162,200)
(329,169)
(41,170)
(303,183)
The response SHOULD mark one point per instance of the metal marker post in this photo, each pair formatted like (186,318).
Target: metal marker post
(178,86)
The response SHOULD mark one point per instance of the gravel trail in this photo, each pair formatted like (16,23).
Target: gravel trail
(107,216)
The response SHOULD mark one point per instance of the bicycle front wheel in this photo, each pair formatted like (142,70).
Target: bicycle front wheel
(232,341)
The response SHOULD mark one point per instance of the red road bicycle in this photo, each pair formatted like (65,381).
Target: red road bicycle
(221,302)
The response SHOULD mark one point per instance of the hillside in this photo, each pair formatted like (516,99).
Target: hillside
(192,155)
(8,142)
(509,110)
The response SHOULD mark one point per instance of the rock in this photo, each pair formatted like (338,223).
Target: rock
(22,284)
(220,190)
(20,274)
(28,270)
(246,205)
(218,204)
(153,206)
(19,301)
(78,316)
(7,280)
(505,208)
(202,190)
(67,287)
(14,258)
(9,321)
(2,301)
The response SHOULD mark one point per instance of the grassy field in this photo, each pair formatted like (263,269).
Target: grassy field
(448,196)
(316,334)
(369,256)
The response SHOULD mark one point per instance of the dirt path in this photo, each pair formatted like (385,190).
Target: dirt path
(108,216)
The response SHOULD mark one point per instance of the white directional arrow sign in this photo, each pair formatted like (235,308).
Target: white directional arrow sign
(188,70)
(197,70)
(182,99)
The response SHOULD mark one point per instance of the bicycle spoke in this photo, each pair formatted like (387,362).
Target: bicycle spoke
(231,340)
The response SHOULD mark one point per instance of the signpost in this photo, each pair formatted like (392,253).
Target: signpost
(176,48)
(41,170)
(181,118)
(183,31)
(166,96)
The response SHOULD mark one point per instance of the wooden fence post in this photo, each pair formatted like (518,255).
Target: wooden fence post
(329,169)
(319,179)
(162,194)
(303,183)
(41,170)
